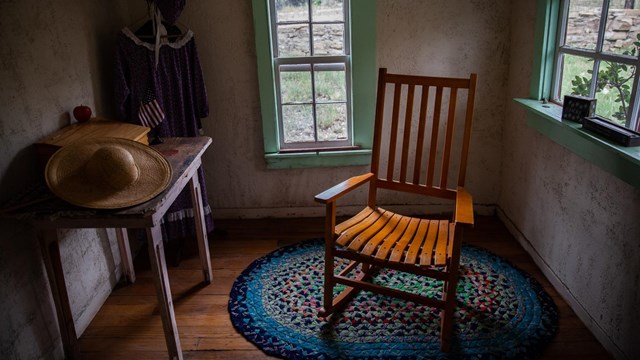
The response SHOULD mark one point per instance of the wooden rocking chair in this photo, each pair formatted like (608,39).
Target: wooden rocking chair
(414,141)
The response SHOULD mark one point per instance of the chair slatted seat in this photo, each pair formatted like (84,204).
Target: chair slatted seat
(420,147)
(396,238)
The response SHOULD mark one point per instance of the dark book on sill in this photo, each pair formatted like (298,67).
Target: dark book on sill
(611,131)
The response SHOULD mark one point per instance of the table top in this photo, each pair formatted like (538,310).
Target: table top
(38,203)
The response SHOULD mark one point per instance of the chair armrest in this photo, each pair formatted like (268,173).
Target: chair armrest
(342,188)
(464,207)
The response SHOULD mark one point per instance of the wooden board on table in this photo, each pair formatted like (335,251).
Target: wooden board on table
(93,128)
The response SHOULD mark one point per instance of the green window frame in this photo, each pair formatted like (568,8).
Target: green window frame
(545,117)
(606,62)
(363,83)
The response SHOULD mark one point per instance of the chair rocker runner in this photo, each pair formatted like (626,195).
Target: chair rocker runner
(420,147)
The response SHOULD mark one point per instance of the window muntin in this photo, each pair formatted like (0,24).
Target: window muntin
(597,56)
(311,65)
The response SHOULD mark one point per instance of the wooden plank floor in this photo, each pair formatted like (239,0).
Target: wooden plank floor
(128,326)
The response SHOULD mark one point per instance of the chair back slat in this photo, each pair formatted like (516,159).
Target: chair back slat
(407,134)
(435,126)
(448,143)
(422,133)
(467,130)
(394,132)
(420,141)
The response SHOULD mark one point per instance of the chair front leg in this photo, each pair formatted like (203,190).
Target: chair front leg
(447,314)
(449,291)
(329,281)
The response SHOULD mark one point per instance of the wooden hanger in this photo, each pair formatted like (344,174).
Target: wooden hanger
(145,32)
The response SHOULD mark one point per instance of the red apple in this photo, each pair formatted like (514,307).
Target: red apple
(82,113)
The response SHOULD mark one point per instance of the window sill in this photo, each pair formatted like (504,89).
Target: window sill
(622,162)
(318,159)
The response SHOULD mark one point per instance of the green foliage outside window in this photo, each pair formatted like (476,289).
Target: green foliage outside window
(613,77)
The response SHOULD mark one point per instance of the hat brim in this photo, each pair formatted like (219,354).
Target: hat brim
(66,176)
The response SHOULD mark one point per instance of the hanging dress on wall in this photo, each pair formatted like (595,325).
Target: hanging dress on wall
(167,74)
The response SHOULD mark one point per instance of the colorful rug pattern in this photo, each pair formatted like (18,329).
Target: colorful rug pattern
(502,313)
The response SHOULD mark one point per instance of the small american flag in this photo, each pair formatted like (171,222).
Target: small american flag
(150,113)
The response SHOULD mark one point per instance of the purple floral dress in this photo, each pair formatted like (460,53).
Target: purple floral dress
(178,87)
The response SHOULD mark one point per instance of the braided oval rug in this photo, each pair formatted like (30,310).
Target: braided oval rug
(502,313)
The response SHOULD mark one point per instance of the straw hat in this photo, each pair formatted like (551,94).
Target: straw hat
(107,173)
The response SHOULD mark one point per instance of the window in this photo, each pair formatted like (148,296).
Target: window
(317,76)
(545,117)
(597,56)
(311,63)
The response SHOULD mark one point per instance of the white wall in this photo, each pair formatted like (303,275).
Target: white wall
(579,223)
(455,38)
(55,54)
(238,182)
(410,39)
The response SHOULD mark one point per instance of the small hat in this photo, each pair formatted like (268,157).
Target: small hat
(107,173)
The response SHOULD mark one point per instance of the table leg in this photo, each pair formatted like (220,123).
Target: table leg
(125,254)
(163,291)
(51,252)
(201,233)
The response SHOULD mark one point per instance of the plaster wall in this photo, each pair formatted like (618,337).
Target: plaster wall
(578,222)
(455,38)
(448,38)
(56,54)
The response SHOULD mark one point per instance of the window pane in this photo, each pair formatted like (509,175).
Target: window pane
(293,40)
(622,29)
(332,122)
(312,108)
(327,10)
(583,23)
(292,10)
(330,85)
(297,122)
(613,91)
(328,39)
(295,86)
(576,76)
